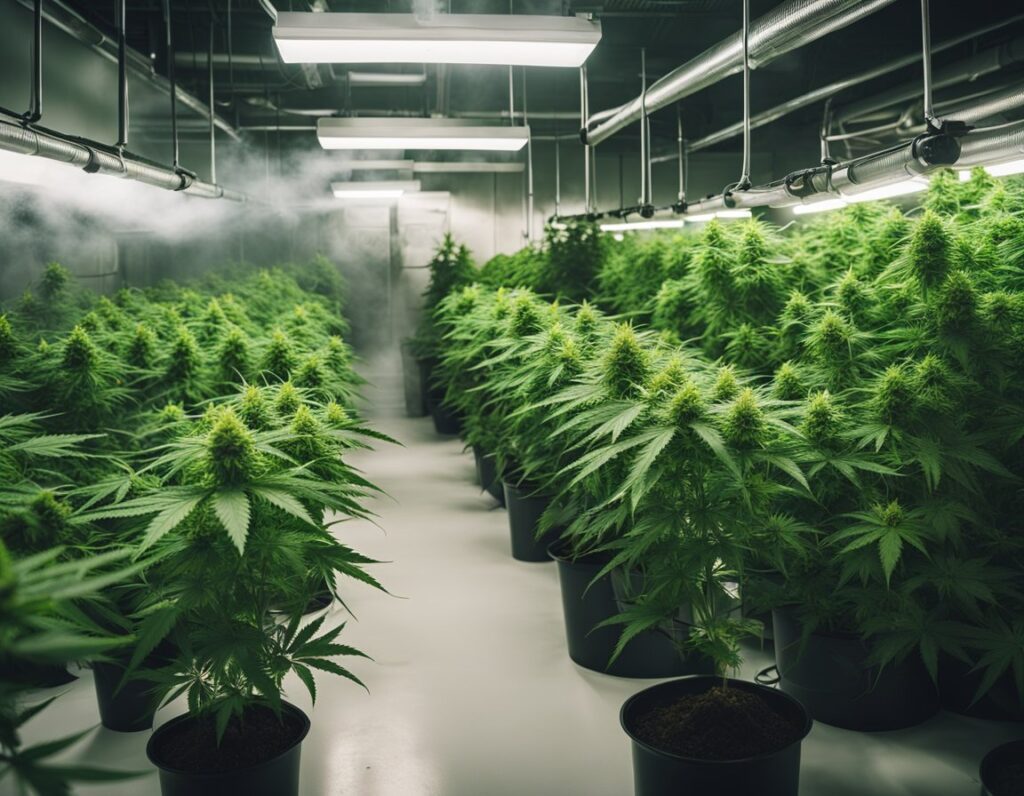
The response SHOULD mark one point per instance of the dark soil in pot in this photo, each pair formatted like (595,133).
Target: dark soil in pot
(525,508)
(832,676)
(702,735)
(586,603)
(1002,770)
(258,756)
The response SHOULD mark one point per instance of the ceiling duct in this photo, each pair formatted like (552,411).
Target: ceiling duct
(782,30)
(94,159)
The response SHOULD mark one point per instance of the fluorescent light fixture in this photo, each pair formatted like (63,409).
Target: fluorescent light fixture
(502,39)
(734,212)
(998,169)
(633,226)
(890,191)
(376,165)
(377,133)
(383,189)
(364,79)
(695,218)
(820,206)
(467,167)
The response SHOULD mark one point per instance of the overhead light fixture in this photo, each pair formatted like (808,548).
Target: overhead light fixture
(890,191)
(378,133)
(383,189)
(467,167)
(364,79)
(501,39)
(695,218)
(634,226)
(820,206)
(998,169)
(734,212)
(376,165)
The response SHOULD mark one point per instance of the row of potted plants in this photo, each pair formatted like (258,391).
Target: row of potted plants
(833,453)
(181,450)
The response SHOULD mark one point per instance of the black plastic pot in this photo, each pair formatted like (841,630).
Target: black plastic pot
(586,603)
(958,685)
(278,776)
(128,709)
(1011,753)
(658,773)
(524,511)
(36,675)
(445,421)
(415,394)
(831,675)
(487,474)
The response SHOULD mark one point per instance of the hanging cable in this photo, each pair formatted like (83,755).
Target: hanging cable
(174,87)
(529,165)
(680,205)
(926,67)
(744,181)
(122,76)
(584,118)
(213,124)
(646,207)
(35,109)
(558,176)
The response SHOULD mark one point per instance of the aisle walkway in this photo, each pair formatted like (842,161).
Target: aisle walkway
(472,693)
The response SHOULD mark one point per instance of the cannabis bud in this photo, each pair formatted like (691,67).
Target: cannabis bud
(821,419)
(831,337)
(625,362)
(586,321)
(54,281)
(80,352)
(726,386)
(253,408)
(743,424)
(8,343)
(956,303)
(787,384)
(336,415)
(687,405)
(288,399)
(310,373)
(233,357)
(231,454)
(525,319)
(278,359)
(140,349)
(894,394)
(184,360)
(929,250)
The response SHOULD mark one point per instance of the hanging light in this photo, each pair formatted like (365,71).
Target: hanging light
(734,212)
(890,191)
(376,165)
(377,133)
(998,169)
(383,189)
(467,167)
(634,226)
(503,39)
(820,206)
(366,79)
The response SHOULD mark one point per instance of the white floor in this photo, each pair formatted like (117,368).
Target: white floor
(472,692)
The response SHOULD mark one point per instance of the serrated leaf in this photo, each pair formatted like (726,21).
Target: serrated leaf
(232,508)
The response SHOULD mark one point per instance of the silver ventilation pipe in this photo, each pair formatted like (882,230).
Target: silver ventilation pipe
(968,69)
(93,159)
(786,28)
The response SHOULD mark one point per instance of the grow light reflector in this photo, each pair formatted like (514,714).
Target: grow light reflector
(335,133)
(364,79)
(998,169)
(890,191)
(501,39)
(821,206)
(734,212)
(467,167)
(383,189)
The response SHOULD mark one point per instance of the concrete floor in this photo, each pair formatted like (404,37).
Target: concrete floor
(472,692)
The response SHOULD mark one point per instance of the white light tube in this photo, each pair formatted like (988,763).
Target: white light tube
(501,39)
(392,134)
(821,206)
(382,189)
(890,191)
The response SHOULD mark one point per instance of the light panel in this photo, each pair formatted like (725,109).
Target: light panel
(467,167)
(890,191)
(376,165)
(998,169)
(364,79)
(653,223)
(820,206)
(734,212)
(392,134)
(382,189)
(498,39)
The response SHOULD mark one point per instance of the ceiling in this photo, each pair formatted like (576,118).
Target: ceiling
(258,91)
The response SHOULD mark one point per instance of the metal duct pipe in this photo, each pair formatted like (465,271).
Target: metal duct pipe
(824,92)
(986,62)
(783,29)
(1005,142)
(72,23)
(96,160)
(986,107)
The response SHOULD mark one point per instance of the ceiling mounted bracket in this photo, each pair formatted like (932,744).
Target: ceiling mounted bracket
(35,110)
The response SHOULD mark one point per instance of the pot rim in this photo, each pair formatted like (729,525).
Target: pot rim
(151,756)
(808,721)
(986,762)
(572,561)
